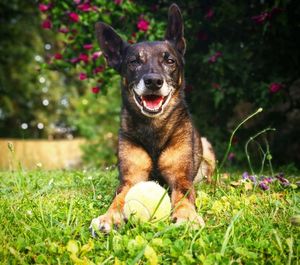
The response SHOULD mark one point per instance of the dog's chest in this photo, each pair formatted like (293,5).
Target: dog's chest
(152,140)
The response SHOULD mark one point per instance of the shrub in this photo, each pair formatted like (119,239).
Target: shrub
(240,56)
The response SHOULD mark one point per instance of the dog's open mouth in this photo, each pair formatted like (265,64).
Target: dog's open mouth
(151,105)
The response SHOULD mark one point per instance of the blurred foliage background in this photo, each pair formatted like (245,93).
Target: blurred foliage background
(241,55)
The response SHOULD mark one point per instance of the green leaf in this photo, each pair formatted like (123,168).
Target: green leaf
(151,255)
(72,247)
(87,247)
(246,253)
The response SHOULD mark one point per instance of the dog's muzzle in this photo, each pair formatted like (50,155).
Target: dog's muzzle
(152,94)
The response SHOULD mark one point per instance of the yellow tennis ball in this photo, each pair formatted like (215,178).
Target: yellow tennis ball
(147,201)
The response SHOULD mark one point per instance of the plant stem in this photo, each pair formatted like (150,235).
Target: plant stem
(252,139)
(233,133)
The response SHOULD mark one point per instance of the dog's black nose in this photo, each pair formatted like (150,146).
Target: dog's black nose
(153,81)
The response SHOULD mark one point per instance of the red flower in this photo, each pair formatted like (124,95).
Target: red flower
(261,18)
(88,46)
(275,11)
(85,7)
(275,87)
(83,57)
(44,7)
(215,85)
(82,76)
(154,8)
(95,55)
(118,2)
(202,35)
(47,24)
(95,90)
(98,69)
(58,56)
(209,14)
(143,25)
(74,17)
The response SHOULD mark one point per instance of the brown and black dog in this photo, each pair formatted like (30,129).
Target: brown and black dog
(157,140)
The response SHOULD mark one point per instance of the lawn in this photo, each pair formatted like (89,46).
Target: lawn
(45,218)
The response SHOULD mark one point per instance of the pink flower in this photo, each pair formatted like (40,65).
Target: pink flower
(44,7)
(63,30)
(96,55)
(143,25)
(266,15)
(219,54)
(58,56)
(118,2)
(231,156)
(98,69)
(215,57)
(74,17)
(47,24)
(77,1)
(74,60)
(83,57)
(209,14)
(275,87)
(82,76)
(95,90)
(88,46)
(85,7)
(261,18)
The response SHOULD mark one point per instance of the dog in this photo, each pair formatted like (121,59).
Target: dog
(157,140)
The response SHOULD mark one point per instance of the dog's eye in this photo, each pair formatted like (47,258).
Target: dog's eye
(134,62)
(170,61)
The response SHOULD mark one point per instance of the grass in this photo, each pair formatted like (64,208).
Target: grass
(45,218)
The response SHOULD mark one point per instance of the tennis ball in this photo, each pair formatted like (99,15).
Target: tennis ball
(147,201)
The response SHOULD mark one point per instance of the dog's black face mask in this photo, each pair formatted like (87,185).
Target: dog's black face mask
(152,71)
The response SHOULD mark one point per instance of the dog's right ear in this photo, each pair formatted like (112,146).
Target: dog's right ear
(111,45)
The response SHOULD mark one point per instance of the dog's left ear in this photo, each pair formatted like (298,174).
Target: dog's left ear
(174,32)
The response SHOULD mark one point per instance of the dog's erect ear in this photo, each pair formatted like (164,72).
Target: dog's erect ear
(111,45)
(174,32)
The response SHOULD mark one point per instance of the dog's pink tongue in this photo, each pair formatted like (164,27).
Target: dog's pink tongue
(152,101)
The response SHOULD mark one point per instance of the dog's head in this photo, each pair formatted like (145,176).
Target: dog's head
(152,72)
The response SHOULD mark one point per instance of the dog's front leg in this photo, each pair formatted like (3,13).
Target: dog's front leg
(177,168)
(134,166)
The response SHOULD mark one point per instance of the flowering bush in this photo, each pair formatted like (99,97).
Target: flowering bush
(238,54)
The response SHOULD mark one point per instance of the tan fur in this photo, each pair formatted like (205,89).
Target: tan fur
(159,143)
(208,163)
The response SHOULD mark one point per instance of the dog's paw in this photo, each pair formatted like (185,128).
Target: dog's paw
(105,223)
(188,215)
